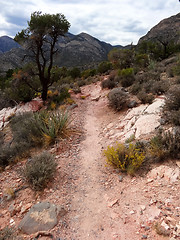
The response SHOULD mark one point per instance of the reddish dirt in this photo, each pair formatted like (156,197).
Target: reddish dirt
(101,202)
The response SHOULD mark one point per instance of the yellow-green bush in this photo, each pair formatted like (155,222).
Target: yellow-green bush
(127,158)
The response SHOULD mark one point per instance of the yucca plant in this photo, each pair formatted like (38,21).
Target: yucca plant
(52,124)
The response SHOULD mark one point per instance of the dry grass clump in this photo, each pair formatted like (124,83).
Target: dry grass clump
(165,145)
(172,105)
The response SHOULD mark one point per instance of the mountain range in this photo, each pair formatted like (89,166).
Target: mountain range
(83,50)
(80,50)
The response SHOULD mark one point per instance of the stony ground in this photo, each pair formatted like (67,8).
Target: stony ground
(99,202)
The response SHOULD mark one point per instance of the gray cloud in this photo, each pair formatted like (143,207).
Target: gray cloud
(115,21)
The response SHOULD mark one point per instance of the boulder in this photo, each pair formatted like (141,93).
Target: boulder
(42,216)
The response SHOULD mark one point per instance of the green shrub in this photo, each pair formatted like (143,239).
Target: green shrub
(75,72)
(127,158)
(88,73)
(118,99)
(121,58)
(142,60)
(104,67)
(39,170)
(126,77)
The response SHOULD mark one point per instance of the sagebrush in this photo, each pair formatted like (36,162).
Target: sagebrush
(39,170)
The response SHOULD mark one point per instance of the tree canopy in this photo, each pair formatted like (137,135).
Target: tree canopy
(41,37)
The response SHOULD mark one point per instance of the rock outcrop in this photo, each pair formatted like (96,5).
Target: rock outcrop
(167,30)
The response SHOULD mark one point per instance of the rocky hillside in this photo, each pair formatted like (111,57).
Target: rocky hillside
(168,29)
(80,50)
(7,43)
(74,51)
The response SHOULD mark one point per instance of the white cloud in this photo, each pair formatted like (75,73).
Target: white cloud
(115,21)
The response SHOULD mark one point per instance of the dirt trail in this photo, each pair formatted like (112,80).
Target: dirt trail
(91,217)
(101,203)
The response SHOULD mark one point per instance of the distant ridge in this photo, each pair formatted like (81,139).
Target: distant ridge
(7,43)
(80,50)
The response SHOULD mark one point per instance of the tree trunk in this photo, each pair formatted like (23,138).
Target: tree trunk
(44,92)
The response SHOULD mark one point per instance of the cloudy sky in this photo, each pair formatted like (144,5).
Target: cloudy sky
(114,21)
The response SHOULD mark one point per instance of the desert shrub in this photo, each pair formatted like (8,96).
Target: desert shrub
(126,157)
(159,87)
(88,73)
(142,60)
(145,97)
(121,58)
(52,124)
(104,67)
(39,170)
(172,105)
(9,233)
(81,82)
(173,98)
(176,68)
(108,83)
(7,155)
(25,130)
(165,145)
(118,99)
(126,77)
(76,89)
(135,88)
(75,72)
(25,134)
(5,100)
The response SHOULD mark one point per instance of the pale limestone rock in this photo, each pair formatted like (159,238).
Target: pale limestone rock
(155,107)
(146,124)
(136,111)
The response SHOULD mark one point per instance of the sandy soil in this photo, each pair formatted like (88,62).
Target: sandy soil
(101,202)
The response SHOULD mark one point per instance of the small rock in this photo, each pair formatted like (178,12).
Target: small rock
(12,222)
(144,236)
(132,104)
(120,178)
(143,207)
(132,212)
(25,208)
(150,180)
(178,163)
(12,210)
(163,224)
(147,228)
(112,203)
